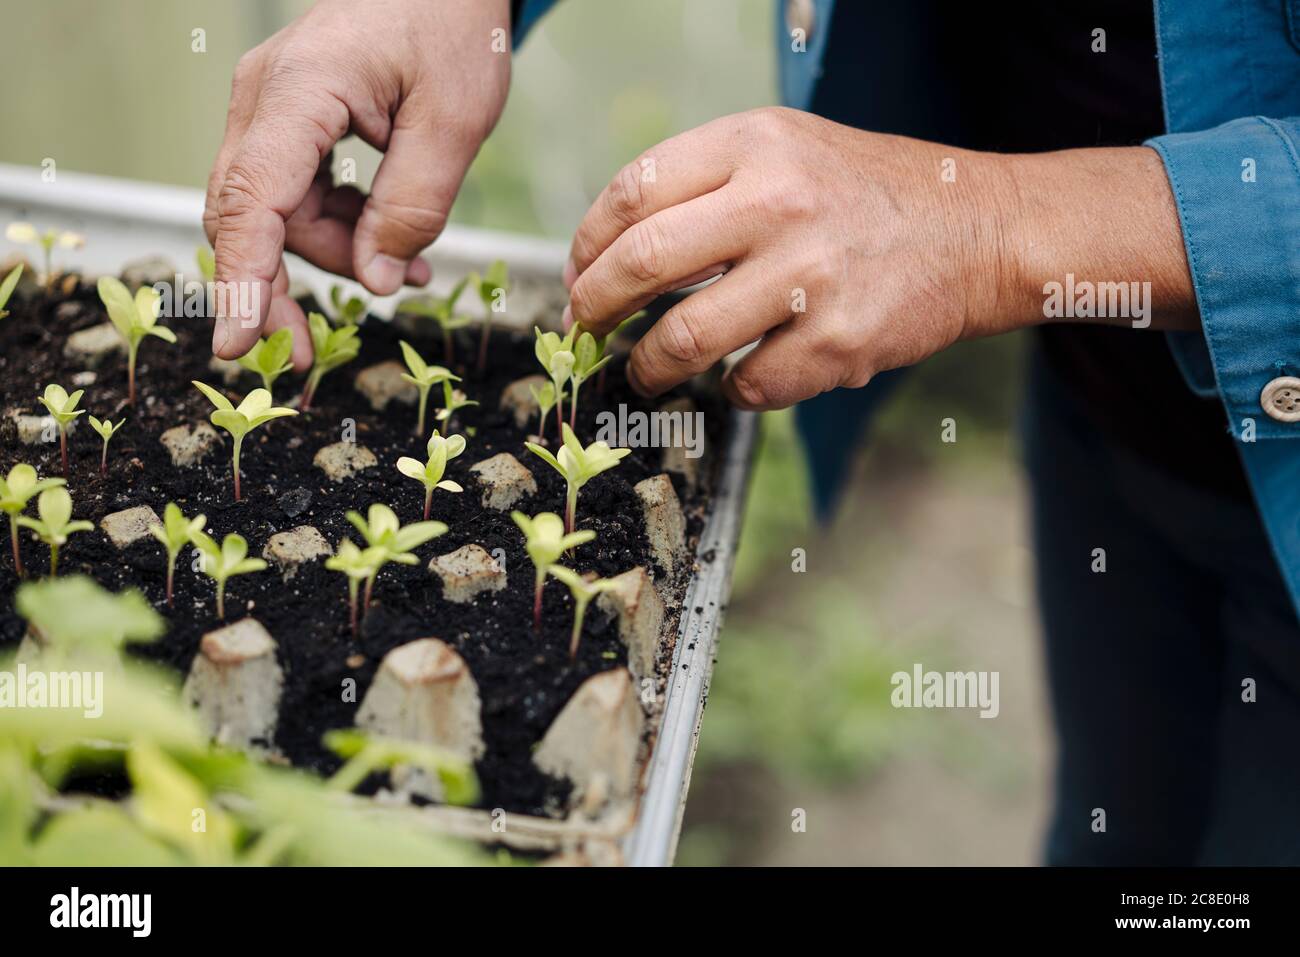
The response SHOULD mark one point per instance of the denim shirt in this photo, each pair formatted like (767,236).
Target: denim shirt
(1230,76)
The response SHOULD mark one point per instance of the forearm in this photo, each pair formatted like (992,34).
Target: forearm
(1083,223)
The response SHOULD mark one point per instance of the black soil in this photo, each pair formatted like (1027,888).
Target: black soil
(524,678)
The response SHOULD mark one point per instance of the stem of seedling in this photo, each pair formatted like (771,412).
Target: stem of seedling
(13,537)
(559,416)
(221,600)
(54,560)
(130,376)
(235,464)
(309,392)
(573,407)
(541,426)
(353,585)
(171,577)
(428,500)
(570,509)
(424,403)
(448,346)
(370,590)
(103,460)
(537,599)
(578,612)
(63,448)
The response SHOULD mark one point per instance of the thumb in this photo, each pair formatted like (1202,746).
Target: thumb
(408,206)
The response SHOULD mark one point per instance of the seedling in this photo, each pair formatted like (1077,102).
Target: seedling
(55,523)
(440,450)
(135,319)
(63,408)
(546,543)
(359,565)
(7,288)
(556,356)
(106,430)
(25,234)
(365,754)
(220,562)
(75,612)
(207,261)
(347,312)
(424,377)
(583,588)
(269,357)
(443,312)
(578,466)
(391,540)
(334,347)
(453,400)
(491,288)
(545,399)
(588,359)
(16,490)
(176,532)
(252,412)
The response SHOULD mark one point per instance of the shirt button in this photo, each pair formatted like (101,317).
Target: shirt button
(1281,399)
(800,15)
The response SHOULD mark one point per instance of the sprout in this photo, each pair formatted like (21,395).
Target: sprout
(207,263)
(333,347)
(556,356)
(578,466)
(583,588)
(75,612)
(8,286)
(269,357)
(390,540)
(106,430)
(359,566)
(440,450)
(367,753)
(545,399)
(220,562)
(252,412)
(16,490)
(491,288)
(424,377)
(545,543)
(25,234)
(453,400)
(347,312)
(55,523)
(63,408)
(443,312)
(176,532)
(588,359)
(134,319)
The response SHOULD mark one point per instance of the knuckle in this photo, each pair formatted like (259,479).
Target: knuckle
(627,200)
(681,343)
(240,194)
(420,223)
(752,392)
(645,253)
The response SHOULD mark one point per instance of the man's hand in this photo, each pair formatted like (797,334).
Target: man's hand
(418,79)
(845,253)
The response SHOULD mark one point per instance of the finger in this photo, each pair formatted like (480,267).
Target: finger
(244,89)
(679,169)
(697,238)
(266,181)
(285,313)
(787,367)
(409,203)
(707,325)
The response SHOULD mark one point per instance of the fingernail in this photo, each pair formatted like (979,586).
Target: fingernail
(566,319)
(220,335)
(570,273)
(384,274)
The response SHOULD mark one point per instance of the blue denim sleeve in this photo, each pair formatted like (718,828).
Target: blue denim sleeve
(1237,188)
(529,13)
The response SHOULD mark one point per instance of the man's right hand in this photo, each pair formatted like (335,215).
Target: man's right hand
(417,79)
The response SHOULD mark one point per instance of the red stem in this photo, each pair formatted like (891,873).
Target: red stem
(171,575)
(537,605)
(236,484)
(103,461)
(63,450)
(13,535)
(428,500)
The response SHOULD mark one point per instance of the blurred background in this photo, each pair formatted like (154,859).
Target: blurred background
(927,559)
